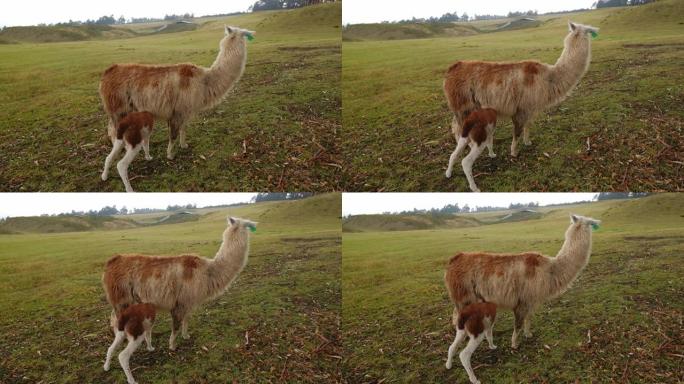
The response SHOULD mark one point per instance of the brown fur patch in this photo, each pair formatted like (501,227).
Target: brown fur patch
(531,70)
(472,316)
(189,265)
(131,319)
(475,125)
(532,261)
(130,127)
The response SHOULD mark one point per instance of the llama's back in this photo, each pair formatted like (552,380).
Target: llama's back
(503,86)
(498,278)
(159,280)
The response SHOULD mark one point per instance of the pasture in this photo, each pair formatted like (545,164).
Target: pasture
(621,129)
(275,131)
(277,323)
(621,321)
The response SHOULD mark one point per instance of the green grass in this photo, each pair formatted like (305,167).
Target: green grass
(54,325)
(628,107)
(396,312)
(275,131)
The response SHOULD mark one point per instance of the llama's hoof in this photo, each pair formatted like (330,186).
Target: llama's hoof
(514,347)
(172,347)
(104,177)
(448,365)
(186,336)
(448,174)
(170,156)
(106,367)
(492,347)
(474,189)
(150,349)
(148,158)
(528,334)
(492,155)
(184,145)
(475,381)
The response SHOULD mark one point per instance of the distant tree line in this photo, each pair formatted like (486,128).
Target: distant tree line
(278,196)
(450,209)
(620,195)
(266,5)
(619,3)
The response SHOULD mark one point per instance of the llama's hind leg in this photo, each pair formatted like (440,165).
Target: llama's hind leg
(118,338)
(526,325)
(460,335)
(489,334)
(456,127)
(467,352)
(184,327)
(467,164)
(146,147)
(177,315)
(148,337)
(123,164)
(125,356)
(520,314)
(175,128)
(183,143)
(116,148)
(462,142)
(519,123)
(490,141)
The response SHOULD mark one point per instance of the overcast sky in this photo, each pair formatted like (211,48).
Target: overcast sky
(373,11)
(365,203)
(32,12)
(35,204)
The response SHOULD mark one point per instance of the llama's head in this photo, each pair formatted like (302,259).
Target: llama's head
(583,222)
(237,225)
(580,32)
(236,35)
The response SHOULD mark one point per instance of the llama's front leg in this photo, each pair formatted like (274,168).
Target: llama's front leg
(519,123)
(177,316)
(116,148)
(467,352)
(175,124)
(148,339)
(146,148)
(489,334)
(118,338)
(490,145)
(526,135)
(462,142)
(467,164)
(460,335)
(125,357)
(184,327)
(183,143)
(526,325)
(520,314)
(123,164)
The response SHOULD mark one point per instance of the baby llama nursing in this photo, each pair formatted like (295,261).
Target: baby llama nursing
(178,283)
(520,281)
(133,132)
(519,90)
(477,322)
(134,324)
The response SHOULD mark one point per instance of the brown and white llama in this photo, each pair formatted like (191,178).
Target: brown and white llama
(478,133)
(520,89)
(178,283)
(520,281)
(134,324)
(477,321)
(133,133)
(174,93)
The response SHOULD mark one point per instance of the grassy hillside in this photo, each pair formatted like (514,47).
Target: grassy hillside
(275,131)
(621,129)
(620,321)
(287,301)
(53,34)
(405,31)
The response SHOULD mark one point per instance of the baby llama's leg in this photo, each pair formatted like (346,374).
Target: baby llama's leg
(123,164)
(460,335)
(462,142)
(467,164)
(125,356)
(116,148)
(467,352)
(118,338)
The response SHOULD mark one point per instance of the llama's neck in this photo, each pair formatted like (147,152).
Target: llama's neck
(225,72)
(229,261)
(571,259)
(569,69)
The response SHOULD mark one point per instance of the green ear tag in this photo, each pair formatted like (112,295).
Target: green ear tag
(253,229)
(594,35)
(595,227)
(250,37)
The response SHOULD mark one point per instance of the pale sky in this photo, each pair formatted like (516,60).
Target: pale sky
(367,203)
(32,12)
(36,204)
(373,11)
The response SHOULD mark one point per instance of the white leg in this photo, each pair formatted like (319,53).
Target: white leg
(467,163)
(462,142)
(526,326)
(465,356)
(184,328)
(490,145)
(123,164)
(460,335)
(489,334)
(125,356)
(116,148)
(183,143)
(118,338)
(455,128)
(146,148)
(526,135)
(148,339)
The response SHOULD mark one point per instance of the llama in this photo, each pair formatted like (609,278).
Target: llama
(477,321)
(135,324)
(178,283)
(521,89)
(133,132)
(174,93)
(520,281)
(478,132)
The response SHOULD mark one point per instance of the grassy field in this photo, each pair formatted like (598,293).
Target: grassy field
(621,129)
(54,322)
(275,131)
(622,321)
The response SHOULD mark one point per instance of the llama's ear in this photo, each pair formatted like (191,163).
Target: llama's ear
(232,220)
(228,30)
(571,26)
(574,218)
